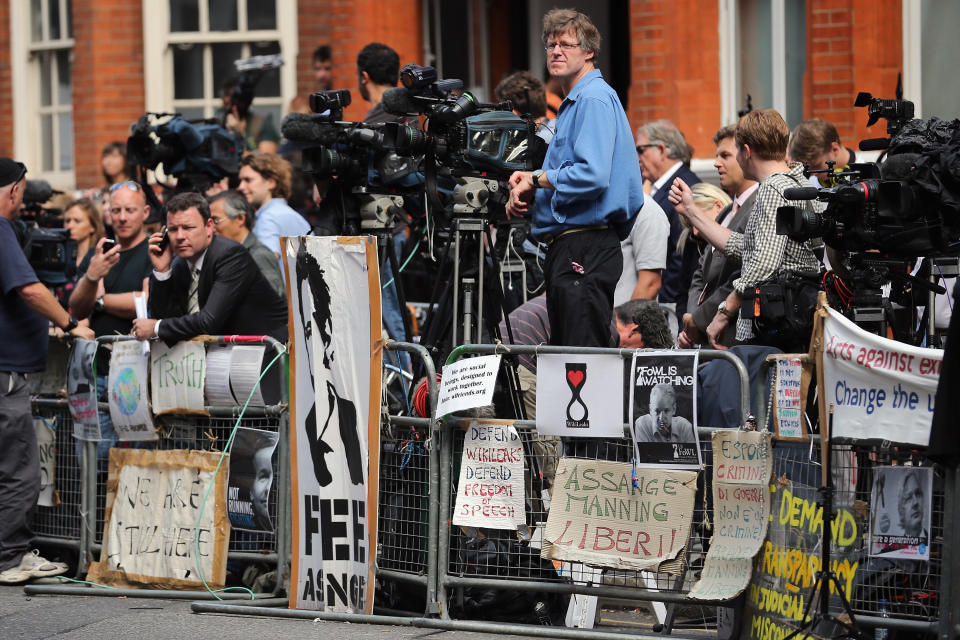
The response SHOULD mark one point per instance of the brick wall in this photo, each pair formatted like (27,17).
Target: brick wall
(852,46)
(674,56)
(107,78)
(313,29)
(6,102)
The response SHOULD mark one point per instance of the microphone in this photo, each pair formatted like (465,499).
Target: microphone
(801,193)
(396,101)
(874,144)
(305,127)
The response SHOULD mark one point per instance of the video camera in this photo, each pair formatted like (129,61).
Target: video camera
(908,206)
(250,70)
(196,154)
(47,245)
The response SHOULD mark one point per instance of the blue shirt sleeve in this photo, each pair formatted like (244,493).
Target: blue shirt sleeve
(15,270)
(586,174)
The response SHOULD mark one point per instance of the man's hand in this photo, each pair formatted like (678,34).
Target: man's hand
(84,332)
(681,197)
(715,330)
(521,193)
(161,259)
(144,328)
(690,334)
(101,262)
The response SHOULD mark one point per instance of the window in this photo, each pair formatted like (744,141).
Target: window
(188,61)
(42,61)
(930,50)
(769,58)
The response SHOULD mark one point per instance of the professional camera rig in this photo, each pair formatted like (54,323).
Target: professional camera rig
(879,217)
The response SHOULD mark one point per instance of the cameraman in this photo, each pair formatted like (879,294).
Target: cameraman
(259,133)
(378,69)
(26,309)
(761,141)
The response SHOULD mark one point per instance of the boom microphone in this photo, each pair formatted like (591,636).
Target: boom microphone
(305,127)
(874,144)
(396,101)
(801,193)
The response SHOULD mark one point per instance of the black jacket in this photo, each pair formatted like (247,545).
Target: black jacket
(234,297)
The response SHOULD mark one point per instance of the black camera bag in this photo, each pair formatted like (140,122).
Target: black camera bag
(781,307)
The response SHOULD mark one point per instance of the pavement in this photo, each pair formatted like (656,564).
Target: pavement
(36,617)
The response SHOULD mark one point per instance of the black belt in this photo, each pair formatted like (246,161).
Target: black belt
(551,238)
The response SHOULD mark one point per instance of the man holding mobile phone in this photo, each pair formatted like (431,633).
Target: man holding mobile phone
(109,277)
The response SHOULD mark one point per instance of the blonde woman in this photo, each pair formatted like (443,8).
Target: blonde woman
(83,220)
(711,200)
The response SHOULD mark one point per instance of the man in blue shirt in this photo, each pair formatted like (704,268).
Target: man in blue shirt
(26,309)
(265,180)
(581,209)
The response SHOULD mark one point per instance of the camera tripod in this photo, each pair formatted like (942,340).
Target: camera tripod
(826,578)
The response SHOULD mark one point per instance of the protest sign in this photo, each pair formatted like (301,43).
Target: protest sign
(82,390)
(662,391)
(335,363)
(467,384)
(598,518)
(787,565)
(790,397)
(156,534)
(490,490)
(900,512)
(251,478)
(47,449)
(578,395)
(177,377)
(127,385)
(880,388)
(742,463)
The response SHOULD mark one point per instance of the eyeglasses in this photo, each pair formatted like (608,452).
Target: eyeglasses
(217,221)
(564,46)
(643,147)
(128,184)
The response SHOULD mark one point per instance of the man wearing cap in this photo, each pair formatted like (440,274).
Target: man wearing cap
(108,279)
(26,310)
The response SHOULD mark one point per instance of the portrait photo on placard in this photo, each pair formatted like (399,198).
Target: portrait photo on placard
(900,512)
(663,409)
(251,478)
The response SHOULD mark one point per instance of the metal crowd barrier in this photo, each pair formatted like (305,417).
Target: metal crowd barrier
(502,572)
(78,522)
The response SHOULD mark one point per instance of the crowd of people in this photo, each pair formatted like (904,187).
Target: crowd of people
(639,250)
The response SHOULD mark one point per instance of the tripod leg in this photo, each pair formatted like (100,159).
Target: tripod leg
(398,285)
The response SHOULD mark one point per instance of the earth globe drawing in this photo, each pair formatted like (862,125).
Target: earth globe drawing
(126,392)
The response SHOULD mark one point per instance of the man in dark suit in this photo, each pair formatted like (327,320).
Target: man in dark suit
(664,155)
(206,284)
(713,279)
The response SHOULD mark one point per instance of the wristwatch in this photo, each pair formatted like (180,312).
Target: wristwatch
(98,305)
(727,312)
(536,178)
(71,324)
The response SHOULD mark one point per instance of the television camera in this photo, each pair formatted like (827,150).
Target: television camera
(197,154)
(243,88)
(46,244)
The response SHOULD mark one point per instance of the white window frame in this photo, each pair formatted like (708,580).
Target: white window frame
(912,67)
(27,108)
(158,53)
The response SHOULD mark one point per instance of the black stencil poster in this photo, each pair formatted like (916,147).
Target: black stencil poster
(662,387)
(251,477)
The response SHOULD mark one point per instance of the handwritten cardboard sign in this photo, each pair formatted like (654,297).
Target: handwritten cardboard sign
(467,384)
(47,448)
(177,378)
(155,530)
(82,390)
(490,490)
(742,462)
(598,518)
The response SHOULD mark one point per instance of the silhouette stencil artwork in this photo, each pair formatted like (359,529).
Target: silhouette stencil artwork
(309,271)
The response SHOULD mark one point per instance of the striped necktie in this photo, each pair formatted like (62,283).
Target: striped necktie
(193,299)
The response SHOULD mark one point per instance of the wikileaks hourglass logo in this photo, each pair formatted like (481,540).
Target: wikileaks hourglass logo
(578,416)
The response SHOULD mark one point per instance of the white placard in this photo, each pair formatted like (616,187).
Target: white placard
(176,377)
(245,373)
(82,390)
(127,392)
(900,511)
(217,384)
(47,446)
(467,384)
(880,388)
(580,395)
(490,490)
(789,400)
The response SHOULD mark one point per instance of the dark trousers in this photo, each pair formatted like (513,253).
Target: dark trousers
(19,469)
(581,272)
